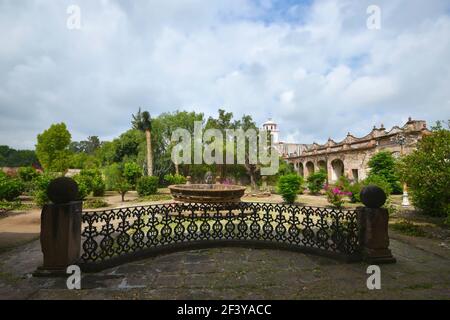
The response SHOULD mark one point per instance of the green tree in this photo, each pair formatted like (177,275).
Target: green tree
(427,173)
(115,180)
(142,121)
(316,181)
(52,148)
(132,172)
(17,158)
(383,164)
(289,186)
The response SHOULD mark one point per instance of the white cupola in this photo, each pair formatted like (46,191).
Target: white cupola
(271,126)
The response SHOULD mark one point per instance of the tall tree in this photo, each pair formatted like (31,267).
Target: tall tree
(142,121)
(52,148)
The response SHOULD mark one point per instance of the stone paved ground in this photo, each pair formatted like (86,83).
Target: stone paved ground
(422,272)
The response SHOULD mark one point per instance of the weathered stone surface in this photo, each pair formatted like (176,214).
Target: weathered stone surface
(60,235)
(249,274)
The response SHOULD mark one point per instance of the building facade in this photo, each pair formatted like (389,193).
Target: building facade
(350,156)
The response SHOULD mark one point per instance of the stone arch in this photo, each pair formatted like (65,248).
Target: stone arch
(337,169)
(322,165)
(300,169)
(309,168)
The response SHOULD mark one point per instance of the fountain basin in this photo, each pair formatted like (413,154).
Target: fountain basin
(207,193)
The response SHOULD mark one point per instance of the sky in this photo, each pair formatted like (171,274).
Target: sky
(313,66)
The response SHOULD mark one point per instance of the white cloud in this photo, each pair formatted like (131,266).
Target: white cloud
(321,76)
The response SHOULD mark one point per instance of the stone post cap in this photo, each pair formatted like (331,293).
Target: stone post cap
(373,196)
(62,190)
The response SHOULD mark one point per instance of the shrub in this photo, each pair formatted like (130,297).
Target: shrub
(147,186)
(122,186)
(95,204)
(10,188)
(289,186)
(316,181)
(84,188)
(27,174)
(98,186)
(40,185)
(355,190)
(379,181)
(383,164)
(90,180)
(6,206)
(427,174)
(116,181)
(132,172)
(335,195)
(175,179)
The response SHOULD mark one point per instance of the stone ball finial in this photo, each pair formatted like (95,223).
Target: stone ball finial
(62,190)
(373,196)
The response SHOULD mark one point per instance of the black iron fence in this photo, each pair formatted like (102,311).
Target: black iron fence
(113,236)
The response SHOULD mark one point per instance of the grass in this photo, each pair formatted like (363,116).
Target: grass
(408,228)
(95,203)
(155,197)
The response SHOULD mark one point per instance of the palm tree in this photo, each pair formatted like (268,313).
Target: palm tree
(142,121)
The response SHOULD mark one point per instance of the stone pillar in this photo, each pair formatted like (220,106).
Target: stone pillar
(188,180)
(373,227)
(60,228)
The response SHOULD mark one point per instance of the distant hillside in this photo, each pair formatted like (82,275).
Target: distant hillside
(17,158)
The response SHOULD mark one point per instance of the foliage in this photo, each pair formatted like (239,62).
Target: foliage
(355,190)
(383,164)
(83,186)
(27,174)
(132,172)
(88,146)
(356,187)
(122,186)
(115,180)
(147,185)
(40,185)
(90,180)
(379,181)
(427,173)
(83,161)
(288,187)
(17,158)
(95,203)
(155,197)
(316,181)
(142,121)
(52,148)
(6,206)
(336,195)
(174,179)
(112,175)
(10,188)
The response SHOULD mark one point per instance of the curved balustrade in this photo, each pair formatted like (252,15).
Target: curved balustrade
(118,235)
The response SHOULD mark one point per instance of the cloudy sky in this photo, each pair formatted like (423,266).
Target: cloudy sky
(313,66)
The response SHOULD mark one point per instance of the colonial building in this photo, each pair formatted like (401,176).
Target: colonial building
(350,156)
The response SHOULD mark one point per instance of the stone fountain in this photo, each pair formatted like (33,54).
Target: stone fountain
(207,192)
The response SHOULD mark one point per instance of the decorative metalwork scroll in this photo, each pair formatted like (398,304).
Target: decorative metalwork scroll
(113,233)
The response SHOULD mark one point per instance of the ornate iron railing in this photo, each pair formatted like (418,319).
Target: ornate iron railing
(127,232)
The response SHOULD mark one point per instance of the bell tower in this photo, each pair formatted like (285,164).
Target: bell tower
(271,126)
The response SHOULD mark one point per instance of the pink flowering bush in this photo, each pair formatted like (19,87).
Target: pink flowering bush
(336,196)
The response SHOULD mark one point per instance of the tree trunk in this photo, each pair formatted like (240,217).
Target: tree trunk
(148,137)
(177,171)
(123,196)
